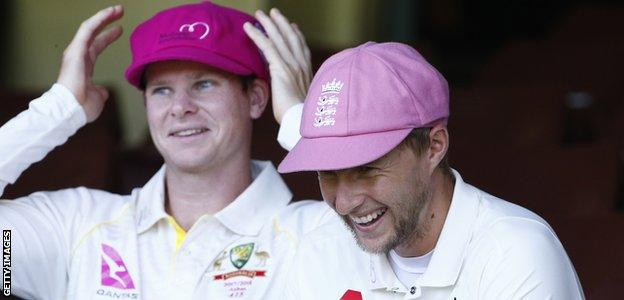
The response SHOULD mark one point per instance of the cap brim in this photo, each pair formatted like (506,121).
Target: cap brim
(336,153)
(186,53)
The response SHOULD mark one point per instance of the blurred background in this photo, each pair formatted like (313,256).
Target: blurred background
(536,107)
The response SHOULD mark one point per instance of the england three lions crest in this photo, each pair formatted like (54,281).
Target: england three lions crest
(327,103)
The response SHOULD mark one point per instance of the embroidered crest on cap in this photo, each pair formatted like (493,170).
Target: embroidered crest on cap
(191,28)
(326,104)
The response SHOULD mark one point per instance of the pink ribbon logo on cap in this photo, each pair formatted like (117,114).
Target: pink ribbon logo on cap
(114,271)
(191,28)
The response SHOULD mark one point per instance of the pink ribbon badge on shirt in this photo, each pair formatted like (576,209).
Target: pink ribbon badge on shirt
(114,271)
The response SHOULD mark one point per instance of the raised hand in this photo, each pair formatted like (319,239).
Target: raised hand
(80,55)
(289,59)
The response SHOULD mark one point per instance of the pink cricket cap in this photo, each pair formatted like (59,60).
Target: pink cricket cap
(205,33)
(362,103)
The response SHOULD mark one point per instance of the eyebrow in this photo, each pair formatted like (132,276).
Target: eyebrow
(192,76)
(155,83)
(198,74)
(383,161)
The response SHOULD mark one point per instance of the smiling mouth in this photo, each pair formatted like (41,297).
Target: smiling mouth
(369,219)
(188,132)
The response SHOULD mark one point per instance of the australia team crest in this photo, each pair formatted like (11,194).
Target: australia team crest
(240,255)
(238,266)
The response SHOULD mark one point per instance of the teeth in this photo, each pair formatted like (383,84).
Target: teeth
(188,132)
(368,218)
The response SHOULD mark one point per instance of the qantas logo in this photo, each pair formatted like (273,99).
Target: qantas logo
(114,271)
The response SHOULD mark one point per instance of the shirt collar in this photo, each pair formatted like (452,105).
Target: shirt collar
(382,276)
(151,201)
(245,215)
(448,255)
(266,195)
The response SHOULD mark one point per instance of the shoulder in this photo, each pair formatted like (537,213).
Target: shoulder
(82,196)
(328,262)
(508,224)
(63,217)
(327,242)
(511,245)
(320,229)
(506,227)
(521,237)
(74,203)
(306,216)
(491,208)
(75,198)
(519,256)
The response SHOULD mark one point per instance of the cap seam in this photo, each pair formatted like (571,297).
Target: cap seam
(401,81)
(327,64)
(349,91)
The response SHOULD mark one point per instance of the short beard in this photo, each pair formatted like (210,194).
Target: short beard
(407,226)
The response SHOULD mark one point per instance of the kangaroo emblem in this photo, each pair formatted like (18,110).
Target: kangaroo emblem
(216,266)
(262,256)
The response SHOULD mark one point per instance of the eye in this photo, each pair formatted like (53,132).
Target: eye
(325,175)
(161,91)
(203,85)
(367,170)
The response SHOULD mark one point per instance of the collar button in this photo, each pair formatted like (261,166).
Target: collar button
(413,290)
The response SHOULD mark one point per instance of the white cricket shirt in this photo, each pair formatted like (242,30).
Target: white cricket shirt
(88,244)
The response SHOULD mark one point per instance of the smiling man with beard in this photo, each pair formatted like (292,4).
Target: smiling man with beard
(374,128)
(403,221)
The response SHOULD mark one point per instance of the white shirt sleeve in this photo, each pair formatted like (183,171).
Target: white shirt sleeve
(27,138)
(40,228)
(288,134)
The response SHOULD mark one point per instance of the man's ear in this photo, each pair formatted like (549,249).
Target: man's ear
(438,145)
(258,93)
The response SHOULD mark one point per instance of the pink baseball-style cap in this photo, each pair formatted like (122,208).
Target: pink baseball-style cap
(362,103)
(203,32)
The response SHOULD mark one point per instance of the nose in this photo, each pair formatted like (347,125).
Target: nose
(343,195)
(183,104)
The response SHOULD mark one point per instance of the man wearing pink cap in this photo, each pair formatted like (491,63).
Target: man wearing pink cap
(212,223)
(374,128)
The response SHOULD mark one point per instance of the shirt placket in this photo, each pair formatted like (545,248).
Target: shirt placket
(211,239)
(188,260)
(413,292)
